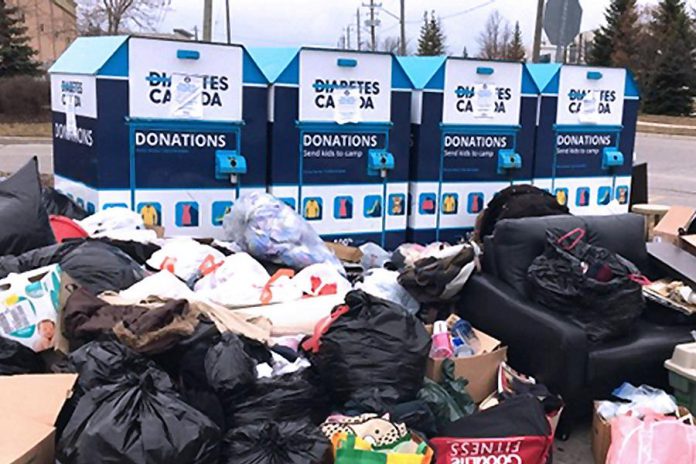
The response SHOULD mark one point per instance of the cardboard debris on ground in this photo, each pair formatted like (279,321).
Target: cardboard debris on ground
(481,370)
(345,253)
(30,404)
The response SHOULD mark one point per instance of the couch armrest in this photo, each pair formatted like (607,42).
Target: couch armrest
(540,343)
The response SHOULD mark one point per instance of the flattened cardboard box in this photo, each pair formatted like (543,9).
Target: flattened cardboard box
(480,370)
(678,217)
(30,404)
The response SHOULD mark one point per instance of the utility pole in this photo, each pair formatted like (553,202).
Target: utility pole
(402,20)
(537,31)
(357,26)
(372,22)
(229,26)
(208,20)
(348,37)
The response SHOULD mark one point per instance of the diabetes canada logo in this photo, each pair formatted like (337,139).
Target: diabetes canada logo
(597,101)
(71,89)
(328,91)
(473,98)
(161,88)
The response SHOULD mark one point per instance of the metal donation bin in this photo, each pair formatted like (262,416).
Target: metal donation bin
(171,129)
(586,136)
(340,140)
(473,135)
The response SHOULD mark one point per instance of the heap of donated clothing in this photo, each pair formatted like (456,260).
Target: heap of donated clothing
(252,351)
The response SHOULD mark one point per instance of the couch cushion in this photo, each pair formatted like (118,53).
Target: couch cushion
(637,358)
(518,241)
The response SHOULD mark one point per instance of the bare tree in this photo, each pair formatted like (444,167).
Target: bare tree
(97,17)
(495,38)
(390,44)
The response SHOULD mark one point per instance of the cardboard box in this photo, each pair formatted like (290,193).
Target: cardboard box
(678,217)
(30,405)
(29,307)
(601,437)
(480,370)
(688,243)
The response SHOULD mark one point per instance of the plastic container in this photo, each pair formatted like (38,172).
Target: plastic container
(65,228)
(682,375)
(442,346)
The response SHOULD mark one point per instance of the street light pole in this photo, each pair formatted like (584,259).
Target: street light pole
(537,31)
(229,26)
(402,20)
(208,20)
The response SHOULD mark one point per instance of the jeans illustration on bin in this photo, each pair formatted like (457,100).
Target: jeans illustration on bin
(586,136)
(169,128)
(473,133)
(340,137)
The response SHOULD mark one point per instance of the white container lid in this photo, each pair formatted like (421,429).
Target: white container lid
(683,361)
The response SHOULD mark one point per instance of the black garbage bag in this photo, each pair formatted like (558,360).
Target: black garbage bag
(39,257)
(95,265)
(285,398)
(16,358)
(185,363)
(596,288)
(99,267)
(140,252)
(297,442)
(136,418)
(445,408)
(518,201)
(373,344)
(230,371)
(25,224)
(56,203)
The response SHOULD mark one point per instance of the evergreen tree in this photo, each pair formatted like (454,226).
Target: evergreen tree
(465,53)
(515,49)
(16,56)
(619,38)
(669,81)
(432,39)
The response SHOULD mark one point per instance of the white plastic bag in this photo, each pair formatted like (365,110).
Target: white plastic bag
(186,258)
(383,283)
(321,279)
(242,281)
(163,285)
(107,221)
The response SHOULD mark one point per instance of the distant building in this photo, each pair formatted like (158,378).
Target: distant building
(51,26)
(575,53)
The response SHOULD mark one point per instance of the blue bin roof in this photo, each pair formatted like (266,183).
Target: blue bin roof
(543,74)
(421,69)
(87,55)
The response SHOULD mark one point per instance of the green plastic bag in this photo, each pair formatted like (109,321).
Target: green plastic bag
(449,401)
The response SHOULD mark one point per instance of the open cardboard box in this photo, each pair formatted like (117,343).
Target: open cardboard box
(671,227)
(30,405)
(601,435)
(481,370)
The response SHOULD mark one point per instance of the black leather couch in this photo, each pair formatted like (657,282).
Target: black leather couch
(545,344)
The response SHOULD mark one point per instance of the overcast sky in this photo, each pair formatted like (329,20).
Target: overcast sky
(320,22)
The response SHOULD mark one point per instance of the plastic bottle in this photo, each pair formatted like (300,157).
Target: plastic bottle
(441,347)
(464,339)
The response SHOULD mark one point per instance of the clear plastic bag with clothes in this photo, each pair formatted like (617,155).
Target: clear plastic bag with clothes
(268,229)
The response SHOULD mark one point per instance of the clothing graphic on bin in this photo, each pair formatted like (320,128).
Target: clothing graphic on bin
(476,204)
(149,215)
(345,208)
(449,204)
(186,215)
(312,209)
(562,197)
(398,206)
(376,210)
(428,205)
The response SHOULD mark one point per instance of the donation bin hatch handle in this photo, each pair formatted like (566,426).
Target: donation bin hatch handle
(347,62)
(188,54)
(594,75)
(485,70)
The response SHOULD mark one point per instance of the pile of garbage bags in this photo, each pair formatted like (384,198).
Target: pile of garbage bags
(257,349)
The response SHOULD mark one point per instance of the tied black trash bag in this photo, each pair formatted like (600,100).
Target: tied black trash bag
(285,398)
(596,288)
(230,371)
(25,224)
(297,442)
(136,418)
(372,344)
(16,358)
(56,203)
